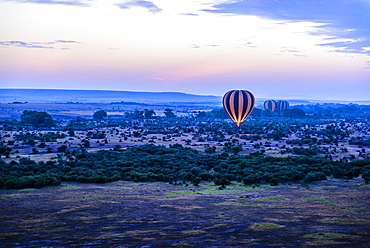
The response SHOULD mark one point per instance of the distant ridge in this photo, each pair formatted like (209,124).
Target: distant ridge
(114,96)
(99,96)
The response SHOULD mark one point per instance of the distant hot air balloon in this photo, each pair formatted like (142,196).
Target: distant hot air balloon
(238,105)
(270,105)
(281,105)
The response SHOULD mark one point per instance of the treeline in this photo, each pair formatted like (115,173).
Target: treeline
(149,163)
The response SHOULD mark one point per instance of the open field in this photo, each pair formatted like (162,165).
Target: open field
(334,213)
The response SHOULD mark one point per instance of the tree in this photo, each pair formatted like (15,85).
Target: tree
(37,119)
(314,176)
(117,148)
(138,114)
(294,112)
(222,181)
(71,133)
(168,113)
(100,115)
(42,145)
(210,149)
(5,150)
(149,114)
(201,114)
(85,143)
(366,176)
(236,149)
(62,148)
(268,113)
(256,112)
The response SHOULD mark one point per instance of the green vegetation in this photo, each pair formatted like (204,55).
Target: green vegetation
(272,198)
(309,144)
(37,119)
(314,200)
(169,113)
(345,221)
(148,163)
(100,115)
(265,225)
(324,237)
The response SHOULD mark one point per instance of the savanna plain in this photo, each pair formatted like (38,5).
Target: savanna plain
(151,175)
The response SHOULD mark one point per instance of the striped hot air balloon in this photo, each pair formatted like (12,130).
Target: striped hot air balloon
(238,105)
(270,105)
(281,105)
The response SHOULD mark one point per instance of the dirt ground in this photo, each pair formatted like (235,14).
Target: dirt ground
(333,213)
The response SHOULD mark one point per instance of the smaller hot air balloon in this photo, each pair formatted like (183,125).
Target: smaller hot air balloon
(238,105)
(270,105)
(281,105)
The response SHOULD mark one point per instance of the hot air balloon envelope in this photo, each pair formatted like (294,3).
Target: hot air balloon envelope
(270,105)
(281,106)
(238,105)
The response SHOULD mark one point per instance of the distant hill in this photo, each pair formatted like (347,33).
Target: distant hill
(100,96)
(20,96)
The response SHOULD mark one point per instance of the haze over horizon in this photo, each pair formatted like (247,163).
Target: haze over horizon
(275,49)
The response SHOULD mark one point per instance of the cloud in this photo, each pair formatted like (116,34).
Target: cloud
(189,14)
(340,19)
(139,3)
(292,51)
(58,44)
(63,2)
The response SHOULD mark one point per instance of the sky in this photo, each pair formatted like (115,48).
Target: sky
(278,49)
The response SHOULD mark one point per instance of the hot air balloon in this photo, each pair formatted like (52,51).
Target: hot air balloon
(238,105)
(270,105)
(281,105)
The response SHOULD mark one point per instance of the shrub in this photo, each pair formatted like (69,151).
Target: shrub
(62,148)
(314,176)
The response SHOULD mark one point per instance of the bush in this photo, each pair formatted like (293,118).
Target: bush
(314,176)
(222,181)
(62,148)
(251,179)
(365,173)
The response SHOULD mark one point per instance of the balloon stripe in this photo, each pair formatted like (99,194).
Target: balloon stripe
(232,105)
(245,106)
(251,104)
(226,103)
(248,104)
(241,105)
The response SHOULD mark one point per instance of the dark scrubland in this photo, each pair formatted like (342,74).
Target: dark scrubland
(177,178)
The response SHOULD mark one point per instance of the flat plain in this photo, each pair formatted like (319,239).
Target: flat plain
(333,213)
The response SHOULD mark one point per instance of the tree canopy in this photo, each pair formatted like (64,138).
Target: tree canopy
(100,115)
(37,119)
(148,163)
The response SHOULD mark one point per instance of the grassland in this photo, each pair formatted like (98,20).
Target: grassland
(334,213)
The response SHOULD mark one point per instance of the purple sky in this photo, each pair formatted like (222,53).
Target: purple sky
(273,48)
